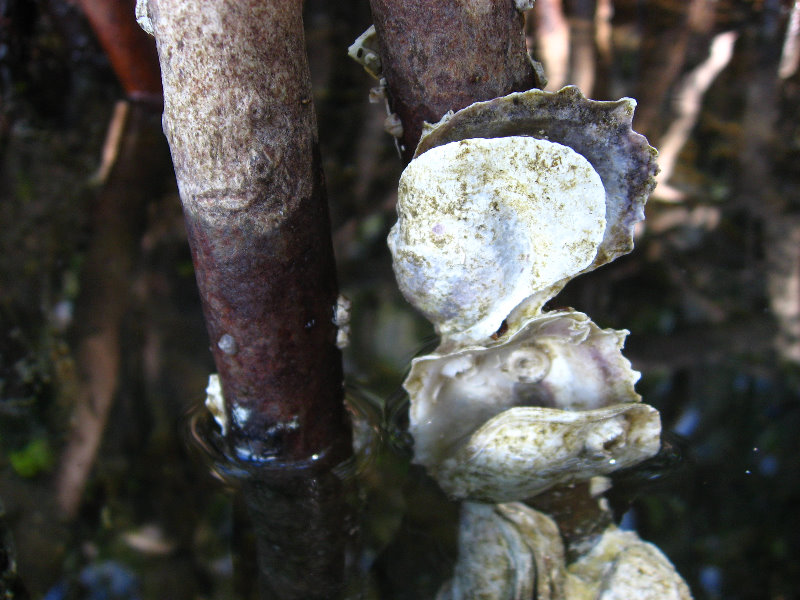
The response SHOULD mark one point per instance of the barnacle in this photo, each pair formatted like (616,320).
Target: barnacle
(216,403)
(365,52)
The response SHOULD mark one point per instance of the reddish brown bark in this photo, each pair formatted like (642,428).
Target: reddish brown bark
(131,51)
(445,55)
(242,130)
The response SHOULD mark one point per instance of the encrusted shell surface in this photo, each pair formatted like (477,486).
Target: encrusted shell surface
(526,450)
(599,131)
(507,200)
(485,223)
(620,567)
(506,552)
(512,552)
(553,402)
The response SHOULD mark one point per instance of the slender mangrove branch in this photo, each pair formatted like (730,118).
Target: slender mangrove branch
(130,50)
(445,55)
(241,126)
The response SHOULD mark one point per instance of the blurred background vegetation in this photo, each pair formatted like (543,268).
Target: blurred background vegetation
(711,296)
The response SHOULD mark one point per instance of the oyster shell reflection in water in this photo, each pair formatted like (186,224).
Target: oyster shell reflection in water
(505,552)
(622,566)
(511,551)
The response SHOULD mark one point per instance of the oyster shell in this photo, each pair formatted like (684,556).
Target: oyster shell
(512,552)
(505,202)
(215,403)
(526,450)
(622,566)
(600,132)
(506,552)
(485,223)
(553,402)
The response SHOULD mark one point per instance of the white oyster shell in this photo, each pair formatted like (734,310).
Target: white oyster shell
(513,552)
(485,223)
(215,403)
(506,552)
(553,402)
(526,450)
(599,131)
(620,567)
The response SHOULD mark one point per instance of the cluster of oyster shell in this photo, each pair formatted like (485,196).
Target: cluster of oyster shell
(504,203)
(512,551)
